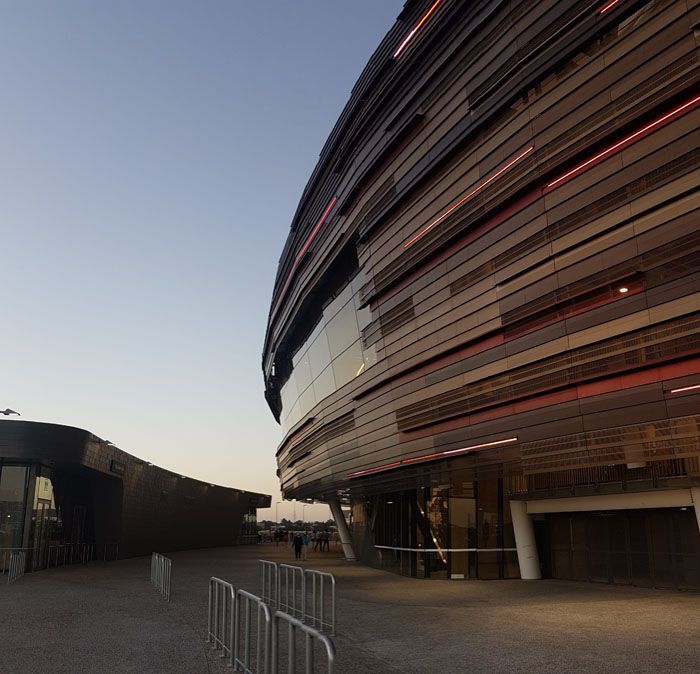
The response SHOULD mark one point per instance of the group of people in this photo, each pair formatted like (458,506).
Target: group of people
(301,541)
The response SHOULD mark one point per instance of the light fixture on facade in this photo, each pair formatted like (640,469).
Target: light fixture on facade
(624,290)
(632,138)
(416,28)
(685,388)
(610,5)
(477,189)
(429,457)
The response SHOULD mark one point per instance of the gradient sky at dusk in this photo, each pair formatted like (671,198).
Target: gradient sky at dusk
(152,154)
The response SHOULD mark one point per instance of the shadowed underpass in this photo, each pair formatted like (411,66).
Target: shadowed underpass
(100,618)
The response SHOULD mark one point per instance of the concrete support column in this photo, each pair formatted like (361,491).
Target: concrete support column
(695,496)
(343,531)
(524,531)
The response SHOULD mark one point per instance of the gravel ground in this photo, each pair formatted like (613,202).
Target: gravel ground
(101,618)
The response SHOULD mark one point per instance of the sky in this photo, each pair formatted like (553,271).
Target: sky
(152,155)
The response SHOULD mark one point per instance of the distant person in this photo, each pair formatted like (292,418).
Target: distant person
(297,544)
(285,538)
(305,543)
(314,539)
(325,542)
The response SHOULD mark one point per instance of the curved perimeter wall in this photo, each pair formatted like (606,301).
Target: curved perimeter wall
(491,288)
(62,487)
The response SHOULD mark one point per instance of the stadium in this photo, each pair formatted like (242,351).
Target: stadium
(484,335)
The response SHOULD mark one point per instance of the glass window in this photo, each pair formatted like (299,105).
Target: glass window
(288,395)
(341,300)
(302,373)
(342,330)
(364,317)
(348,365)
(370,356)
(294,416)
(307,401)
(13,489)
(324,384)
(319,355)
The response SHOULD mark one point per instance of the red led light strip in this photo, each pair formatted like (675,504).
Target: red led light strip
(432,456)
(471,194)
(608,6)
(685,388)
(303,250)
(415,29)
(629,139)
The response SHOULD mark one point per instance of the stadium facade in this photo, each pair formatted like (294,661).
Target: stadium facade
(484,335)
(67,496)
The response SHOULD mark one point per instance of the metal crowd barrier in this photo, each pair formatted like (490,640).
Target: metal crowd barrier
(310,634)
(73,553)
(270,584)
(290,596)
(256,649)
(221,614)
(18,563)
(315,612)
(104,547)
(161,573)
(6,554)
(243,622)
(308,595)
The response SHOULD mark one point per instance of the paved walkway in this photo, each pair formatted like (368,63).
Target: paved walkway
(102,618)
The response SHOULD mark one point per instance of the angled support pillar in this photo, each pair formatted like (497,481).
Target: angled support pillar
(343,532)
(524,531)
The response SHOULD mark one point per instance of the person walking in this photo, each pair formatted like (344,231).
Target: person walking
(305,543)
(325,542)
(297,544)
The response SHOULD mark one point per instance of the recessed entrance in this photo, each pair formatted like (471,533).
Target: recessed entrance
(657,547)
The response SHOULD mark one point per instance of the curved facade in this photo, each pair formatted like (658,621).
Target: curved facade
(485,328)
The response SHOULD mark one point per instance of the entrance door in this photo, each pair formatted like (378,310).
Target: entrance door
(41,534)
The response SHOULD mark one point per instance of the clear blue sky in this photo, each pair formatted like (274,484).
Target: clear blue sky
(152,154)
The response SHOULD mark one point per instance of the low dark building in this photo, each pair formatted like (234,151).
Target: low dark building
(66,495)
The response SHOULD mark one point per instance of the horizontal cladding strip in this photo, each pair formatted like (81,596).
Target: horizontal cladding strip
(539,385)
(489,340)
(398,279)
(305,427)
(439,550)
(432,457)
(415,29)
(476,190)
(618,382)
(628,140)
(303,250)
